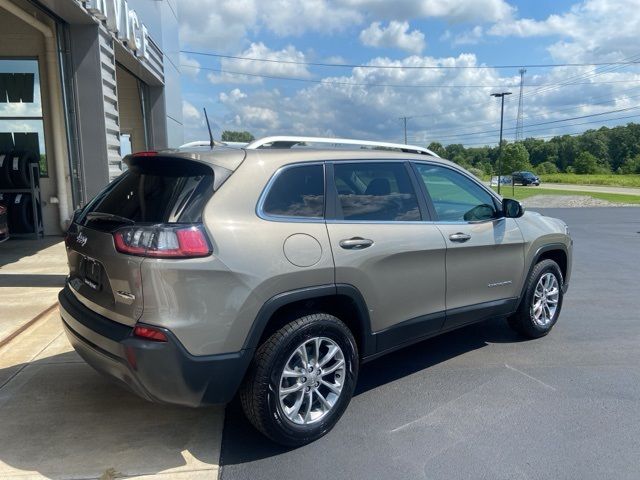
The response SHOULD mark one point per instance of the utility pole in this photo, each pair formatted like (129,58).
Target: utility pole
(404,119)
(519,123)
(501,95)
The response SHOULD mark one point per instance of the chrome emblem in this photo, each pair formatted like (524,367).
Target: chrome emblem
(82,239)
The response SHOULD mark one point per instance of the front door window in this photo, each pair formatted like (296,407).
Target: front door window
(455,197)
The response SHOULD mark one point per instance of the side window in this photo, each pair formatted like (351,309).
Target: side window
(375,192)
(455,197)
(297,192)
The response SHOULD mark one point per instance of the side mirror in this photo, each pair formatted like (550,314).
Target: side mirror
(512,208)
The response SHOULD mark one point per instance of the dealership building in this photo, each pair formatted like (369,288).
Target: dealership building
(83,83)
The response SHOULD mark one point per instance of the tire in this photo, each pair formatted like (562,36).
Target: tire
(534,323)
(18,167)
(20,213)
(260,393)
(5,171)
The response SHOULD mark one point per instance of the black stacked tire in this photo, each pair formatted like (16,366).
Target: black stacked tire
(21,213)
(18,167)
(5,173)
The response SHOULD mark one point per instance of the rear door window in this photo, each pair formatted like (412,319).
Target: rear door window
(297,191)
(153,190)
(375,191)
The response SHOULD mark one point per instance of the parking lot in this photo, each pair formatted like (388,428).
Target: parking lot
(475,403)
(481,403)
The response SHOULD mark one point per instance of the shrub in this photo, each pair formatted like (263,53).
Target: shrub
(546,168)
(475,171)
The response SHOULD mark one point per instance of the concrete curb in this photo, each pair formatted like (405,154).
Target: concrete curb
(5,341)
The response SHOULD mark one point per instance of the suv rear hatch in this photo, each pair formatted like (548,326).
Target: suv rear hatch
(154,209)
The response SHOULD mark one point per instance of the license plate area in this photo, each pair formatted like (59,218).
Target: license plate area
(92,273)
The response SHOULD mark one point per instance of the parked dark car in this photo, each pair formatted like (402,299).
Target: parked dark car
(4,228)
(525,178)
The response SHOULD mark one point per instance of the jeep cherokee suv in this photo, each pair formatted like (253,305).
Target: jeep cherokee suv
(275,272)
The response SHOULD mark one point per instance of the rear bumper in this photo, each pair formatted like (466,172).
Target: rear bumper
(158,371)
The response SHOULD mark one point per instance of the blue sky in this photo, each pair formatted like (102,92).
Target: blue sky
(450,106)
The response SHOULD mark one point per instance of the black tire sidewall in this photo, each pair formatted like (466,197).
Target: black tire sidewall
(289,432)
(546,266)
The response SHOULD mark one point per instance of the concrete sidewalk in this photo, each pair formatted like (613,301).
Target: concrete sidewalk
(32,272)
(59,419)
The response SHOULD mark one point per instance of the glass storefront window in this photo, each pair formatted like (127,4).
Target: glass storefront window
(21,118)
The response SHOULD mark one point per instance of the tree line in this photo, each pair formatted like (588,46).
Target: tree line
(605,150)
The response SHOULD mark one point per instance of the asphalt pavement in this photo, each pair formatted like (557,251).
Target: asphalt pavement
(482,403)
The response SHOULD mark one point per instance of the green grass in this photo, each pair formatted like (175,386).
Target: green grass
(598,179)
(522,193)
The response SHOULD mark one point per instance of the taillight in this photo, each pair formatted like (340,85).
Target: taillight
(150,333)
(163,241)
(145,154)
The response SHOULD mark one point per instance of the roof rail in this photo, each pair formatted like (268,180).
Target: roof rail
(207,143)
(290,141)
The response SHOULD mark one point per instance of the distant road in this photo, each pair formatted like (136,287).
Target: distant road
(591,188)
(583,188)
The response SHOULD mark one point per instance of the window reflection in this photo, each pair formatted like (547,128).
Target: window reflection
(21,122)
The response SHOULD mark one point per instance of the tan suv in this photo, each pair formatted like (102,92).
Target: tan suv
(275,270)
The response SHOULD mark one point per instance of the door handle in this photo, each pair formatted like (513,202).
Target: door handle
(356,243)
(459,237)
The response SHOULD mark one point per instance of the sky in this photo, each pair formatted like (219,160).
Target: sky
(352,98)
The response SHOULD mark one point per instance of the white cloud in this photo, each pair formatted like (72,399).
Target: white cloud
(332,109)
(260,50)
(471,37)
(189,66)
(190,114)
(225,25)
(395,35)
(250,117)
(452,10)
(593,30)
(216,24)
(233,96)
(295,17)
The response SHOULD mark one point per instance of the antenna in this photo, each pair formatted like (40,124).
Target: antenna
(519,123)
(211,142)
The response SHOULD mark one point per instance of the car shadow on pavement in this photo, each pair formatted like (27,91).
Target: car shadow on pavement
(29,280)
(15,249)
(241,443)
(61,419)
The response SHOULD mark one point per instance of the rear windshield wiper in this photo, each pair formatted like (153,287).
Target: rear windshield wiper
(109,217)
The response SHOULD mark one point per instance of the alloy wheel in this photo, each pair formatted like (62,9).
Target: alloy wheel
(545,299)
(312,380)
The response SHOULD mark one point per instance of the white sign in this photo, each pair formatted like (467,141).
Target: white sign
(122,22)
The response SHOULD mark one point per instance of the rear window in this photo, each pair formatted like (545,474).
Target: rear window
(154,190)
(297,192)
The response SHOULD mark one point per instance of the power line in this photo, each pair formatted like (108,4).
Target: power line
(407,67)
(541,123)
(626,117)
(360,84)
(530,117)
(584,76)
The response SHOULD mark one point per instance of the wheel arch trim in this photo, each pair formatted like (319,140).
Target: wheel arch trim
(271,306)
(536,257)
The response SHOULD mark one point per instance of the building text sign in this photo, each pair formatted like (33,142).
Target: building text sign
(123,22)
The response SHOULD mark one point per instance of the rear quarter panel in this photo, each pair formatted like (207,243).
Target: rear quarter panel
(211,303)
